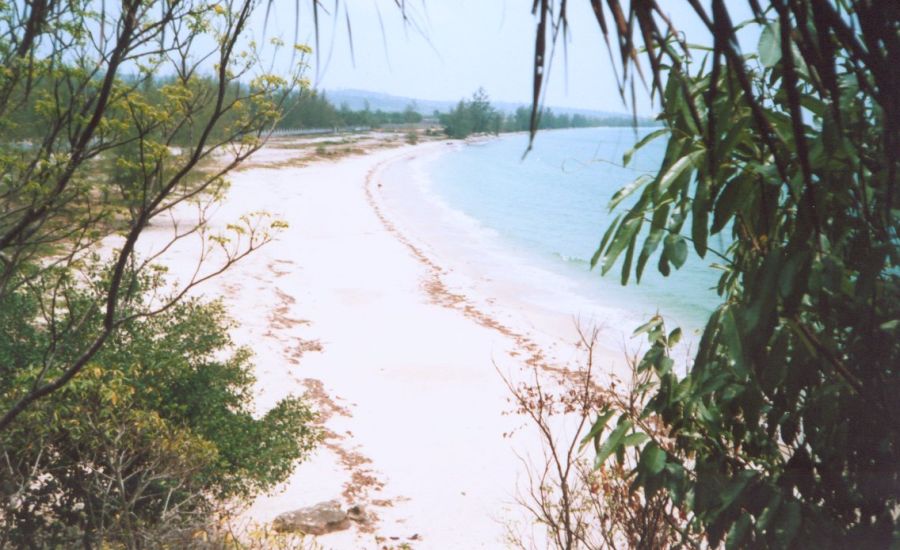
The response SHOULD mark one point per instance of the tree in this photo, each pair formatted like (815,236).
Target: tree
(411,113)
(785,431)
(458,122)
(309,109)
(119,412)
(472,117)
(67,110)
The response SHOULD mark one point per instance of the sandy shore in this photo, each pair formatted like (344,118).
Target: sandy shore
(395,342)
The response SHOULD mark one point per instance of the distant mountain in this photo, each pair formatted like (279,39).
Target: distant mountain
(357,99)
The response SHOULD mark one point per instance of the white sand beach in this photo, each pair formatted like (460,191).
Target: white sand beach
(397,338)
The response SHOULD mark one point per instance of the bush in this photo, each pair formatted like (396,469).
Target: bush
(153,435)
(576,505)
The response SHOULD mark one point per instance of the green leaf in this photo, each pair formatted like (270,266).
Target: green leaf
(648,326)
(624,236)
(675,336)
(612,443)
(731,335)
(769,513)
(635,439)
(626,191)
(735,488)
(676,250)
(597,428)
(728,201)
(738,531)
(770,46)
(657,227)
(626,158)
(686,163)
(653,459)
(603,242)
(789,522)
(735,133)
(629,256)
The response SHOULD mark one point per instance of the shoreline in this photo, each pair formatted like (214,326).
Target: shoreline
(410,398)
(398,352)
(500,279)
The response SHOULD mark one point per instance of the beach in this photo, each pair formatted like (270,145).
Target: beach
(398,334)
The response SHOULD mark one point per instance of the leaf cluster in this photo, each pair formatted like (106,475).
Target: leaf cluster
(785,432)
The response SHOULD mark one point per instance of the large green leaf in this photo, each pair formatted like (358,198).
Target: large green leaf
(676,250)
(626,191)
(770,45)
(738,532)
(684,164)
(613,442)
(653,459)
(624,237)
(626,158)
(597,428)
(604,241)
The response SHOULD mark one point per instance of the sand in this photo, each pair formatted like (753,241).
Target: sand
(397,340)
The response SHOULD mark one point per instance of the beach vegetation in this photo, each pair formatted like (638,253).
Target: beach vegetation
(307,108)
(785,430)
(478,116)
(124,408)
(472,116)
(578,504)
(151,440)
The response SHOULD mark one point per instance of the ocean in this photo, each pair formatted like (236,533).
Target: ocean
(551,207)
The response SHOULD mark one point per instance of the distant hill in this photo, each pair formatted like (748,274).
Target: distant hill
(356,100)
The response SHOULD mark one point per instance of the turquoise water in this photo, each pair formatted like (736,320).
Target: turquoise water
(553,204)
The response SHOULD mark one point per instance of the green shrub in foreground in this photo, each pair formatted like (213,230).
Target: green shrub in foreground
(155,434)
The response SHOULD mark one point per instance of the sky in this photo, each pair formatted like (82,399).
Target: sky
(453,47)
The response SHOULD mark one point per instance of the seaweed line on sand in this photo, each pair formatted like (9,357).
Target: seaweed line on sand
(439,293)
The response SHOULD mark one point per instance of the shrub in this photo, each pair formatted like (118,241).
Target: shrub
(155,433)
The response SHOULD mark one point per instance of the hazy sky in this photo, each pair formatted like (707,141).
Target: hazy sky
(463,44)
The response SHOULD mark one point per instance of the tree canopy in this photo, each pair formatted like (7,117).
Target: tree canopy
(124,408)
(785,431)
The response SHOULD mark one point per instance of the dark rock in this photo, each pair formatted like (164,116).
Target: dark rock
(325,517)
(358,514)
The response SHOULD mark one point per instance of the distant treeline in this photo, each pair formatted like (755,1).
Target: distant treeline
(477,115)
(311,109)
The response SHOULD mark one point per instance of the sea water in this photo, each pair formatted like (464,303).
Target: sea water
(552,205)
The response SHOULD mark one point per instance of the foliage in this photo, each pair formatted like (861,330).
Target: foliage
(150,437)
(479,116)
(784,433)
(475,116)
(125,413)
(367,117)
(311,109)
(88,151)
(578,505)
(520,120)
